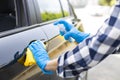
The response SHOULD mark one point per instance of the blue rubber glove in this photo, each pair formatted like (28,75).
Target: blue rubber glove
(72,31)
(67,26)
(40,55)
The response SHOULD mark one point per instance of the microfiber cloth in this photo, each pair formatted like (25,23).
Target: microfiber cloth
(27,59)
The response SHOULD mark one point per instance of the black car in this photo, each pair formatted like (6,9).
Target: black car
(22,21)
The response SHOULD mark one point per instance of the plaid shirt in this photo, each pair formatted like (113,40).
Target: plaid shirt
(92,50)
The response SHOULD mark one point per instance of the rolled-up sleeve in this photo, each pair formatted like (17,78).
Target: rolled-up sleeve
(93,49)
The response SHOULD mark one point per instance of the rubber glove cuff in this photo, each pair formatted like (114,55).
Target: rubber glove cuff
(43,67)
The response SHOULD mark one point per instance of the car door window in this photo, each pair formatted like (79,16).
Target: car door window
(7,15)
(50,10)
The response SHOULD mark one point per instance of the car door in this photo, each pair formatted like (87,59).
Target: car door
(33,21)
(14,40)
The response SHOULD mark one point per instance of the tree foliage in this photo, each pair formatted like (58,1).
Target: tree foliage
(46,16)
(107,2)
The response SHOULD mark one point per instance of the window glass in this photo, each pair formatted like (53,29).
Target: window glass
(65,8)
(50,9)
(7,15)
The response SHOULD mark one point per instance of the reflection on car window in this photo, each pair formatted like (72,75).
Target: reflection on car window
(51,10)
(65,8)
(7,15)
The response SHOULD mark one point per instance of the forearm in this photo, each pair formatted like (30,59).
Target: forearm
(52,64)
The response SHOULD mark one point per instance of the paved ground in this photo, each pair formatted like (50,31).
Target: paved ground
(109,69)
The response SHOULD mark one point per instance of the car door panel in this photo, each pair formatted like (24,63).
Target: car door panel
(50,30)
(12,44)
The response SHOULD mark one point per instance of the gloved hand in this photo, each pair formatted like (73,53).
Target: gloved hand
(40,55)
(71,31)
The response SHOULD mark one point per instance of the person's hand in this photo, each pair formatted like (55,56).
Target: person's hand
(67,26)
(75,34)
(71,31)
(40,55)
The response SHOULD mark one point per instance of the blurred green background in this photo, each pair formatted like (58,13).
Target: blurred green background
(107,2)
